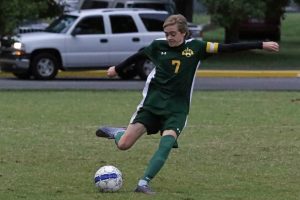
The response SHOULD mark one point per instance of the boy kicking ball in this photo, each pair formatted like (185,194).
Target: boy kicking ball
(168,90)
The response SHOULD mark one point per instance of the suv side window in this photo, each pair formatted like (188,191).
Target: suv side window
(122,24)
(120,5)
(90,25)
(153,22)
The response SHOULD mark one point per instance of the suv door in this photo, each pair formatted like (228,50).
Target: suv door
(125,39)
(87,46)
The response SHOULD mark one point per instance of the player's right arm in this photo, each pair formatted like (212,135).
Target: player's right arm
(121,68)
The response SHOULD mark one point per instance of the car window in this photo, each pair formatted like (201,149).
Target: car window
(156,6)
(90,25)
(120,5)
(94,4)
(61,24)
(122,24)
(153,22)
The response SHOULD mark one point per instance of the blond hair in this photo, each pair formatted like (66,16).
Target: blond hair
(180,21)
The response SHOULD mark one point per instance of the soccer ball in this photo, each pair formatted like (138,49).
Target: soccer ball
(108,179)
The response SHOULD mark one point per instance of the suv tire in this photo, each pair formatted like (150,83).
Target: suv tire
(144,68)
(44,66)
(129,73)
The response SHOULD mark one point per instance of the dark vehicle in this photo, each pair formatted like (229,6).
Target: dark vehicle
(260,29)
(267,28)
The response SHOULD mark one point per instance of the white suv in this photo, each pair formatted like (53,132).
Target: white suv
(84,40)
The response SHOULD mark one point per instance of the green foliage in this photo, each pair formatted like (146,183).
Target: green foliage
(297,1)
(228,12)
(14,12)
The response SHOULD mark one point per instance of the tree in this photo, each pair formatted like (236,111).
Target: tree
(297,2)
(230,13)
(14,12)
(185,8)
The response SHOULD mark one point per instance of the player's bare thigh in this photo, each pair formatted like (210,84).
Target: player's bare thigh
(131,135)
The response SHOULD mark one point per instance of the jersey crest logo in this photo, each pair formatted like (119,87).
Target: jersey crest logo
(163,53)
(187,52)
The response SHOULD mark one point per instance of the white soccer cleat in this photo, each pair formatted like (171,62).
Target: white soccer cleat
(108,132)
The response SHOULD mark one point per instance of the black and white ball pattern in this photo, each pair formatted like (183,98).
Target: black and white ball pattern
(108,179)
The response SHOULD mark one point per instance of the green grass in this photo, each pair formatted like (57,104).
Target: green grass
(287,58)
(237,145)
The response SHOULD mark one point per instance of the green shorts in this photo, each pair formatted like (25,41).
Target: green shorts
(158,123)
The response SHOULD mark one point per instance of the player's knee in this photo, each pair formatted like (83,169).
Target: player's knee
(127,141)
(123,145)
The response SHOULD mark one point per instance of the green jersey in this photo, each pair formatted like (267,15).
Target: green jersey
(169,86)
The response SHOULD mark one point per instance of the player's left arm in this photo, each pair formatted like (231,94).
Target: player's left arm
(271,46)
(234,47)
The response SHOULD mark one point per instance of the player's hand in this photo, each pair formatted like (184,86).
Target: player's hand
(271,46)
(111,72)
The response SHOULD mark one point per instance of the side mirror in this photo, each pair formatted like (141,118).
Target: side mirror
(76,31)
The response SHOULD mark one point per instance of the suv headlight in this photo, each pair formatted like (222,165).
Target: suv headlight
(19,48)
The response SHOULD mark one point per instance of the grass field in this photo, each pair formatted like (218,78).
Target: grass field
(237,146)
(287,58)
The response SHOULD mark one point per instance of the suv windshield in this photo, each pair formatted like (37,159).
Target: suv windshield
(62,24)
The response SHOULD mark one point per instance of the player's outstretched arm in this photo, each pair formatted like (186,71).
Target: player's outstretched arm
(234,47)
(270,46)
(111,72)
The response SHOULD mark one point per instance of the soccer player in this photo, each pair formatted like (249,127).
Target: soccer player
(168,90)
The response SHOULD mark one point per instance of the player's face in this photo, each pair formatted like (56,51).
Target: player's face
(174,37)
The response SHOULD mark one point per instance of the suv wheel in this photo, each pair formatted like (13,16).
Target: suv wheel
(44,66)
(144,68)
(128,74)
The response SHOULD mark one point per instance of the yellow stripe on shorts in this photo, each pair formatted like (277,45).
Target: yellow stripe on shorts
(212,47)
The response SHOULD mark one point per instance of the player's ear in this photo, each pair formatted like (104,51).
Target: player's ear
(186,35)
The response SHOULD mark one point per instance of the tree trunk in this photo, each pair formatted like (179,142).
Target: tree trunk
(185,8)
(232,34)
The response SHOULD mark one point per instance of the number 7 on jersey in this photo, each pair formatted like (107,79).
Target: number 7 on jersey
(177,65)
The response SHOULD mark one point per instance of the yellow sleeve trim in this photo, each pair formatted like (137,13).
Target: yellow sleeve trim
(212,47)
